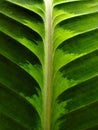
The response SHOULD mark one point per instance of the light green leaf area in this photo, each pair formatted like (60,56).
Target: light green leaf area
(48,64)
(56,2)
(67,29)
(72,9)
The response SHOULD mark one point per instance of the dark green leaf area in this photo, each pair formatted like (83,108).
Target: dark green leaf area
(82,68)
(22,15)
(7,123)
(15,51)
(81,119)
(93,127)
(80,95)
(18,110)
(28,1)
(17,30)
(80,23)
(81,99)
(15,78)
(18,11)
(81,43)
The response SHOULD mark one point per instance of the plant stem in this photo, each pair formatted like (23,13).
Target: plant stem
(48,65)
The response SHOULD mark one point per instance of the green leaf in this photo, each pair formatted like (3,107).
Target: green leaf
(48,65)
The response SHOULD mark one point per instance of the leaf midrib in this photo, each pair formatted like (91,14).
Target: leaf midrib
(47,93)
